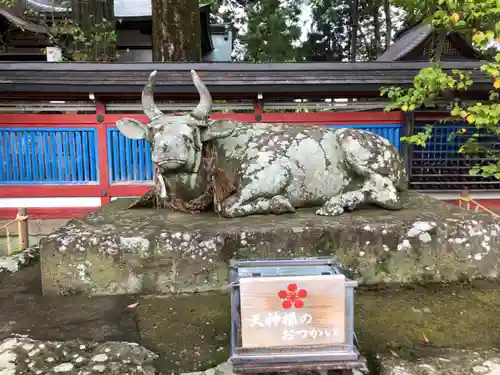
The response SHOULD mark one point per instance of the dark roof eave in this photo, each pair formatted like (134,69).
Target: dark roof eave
(244,79)
(230,66)
(241,90)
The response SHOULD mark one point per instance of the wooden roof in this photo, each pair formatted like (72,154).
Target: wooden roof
(409,42)
(234,79)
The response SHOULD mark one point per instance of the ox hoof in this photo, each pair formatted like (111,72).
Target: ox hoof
(330,211)
(280,205)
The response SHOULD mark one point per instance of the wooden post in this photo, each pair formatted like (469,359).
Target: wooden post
(22,225)
(408,128)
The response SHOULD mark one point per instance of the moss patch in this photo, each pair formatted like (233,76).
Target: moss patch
(192,332)
(448,315)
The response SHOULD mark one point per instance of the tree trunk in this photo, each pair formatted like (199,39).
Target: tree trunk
(176,30)
(388,24)
(97,21)
(376,29)
(354,29)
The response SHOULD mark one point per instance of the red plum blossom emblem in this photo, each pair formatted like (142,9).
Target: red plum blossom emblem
(292,296)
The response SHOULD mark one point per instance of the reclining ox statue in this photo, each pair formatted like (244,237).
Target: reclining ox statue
(275,168)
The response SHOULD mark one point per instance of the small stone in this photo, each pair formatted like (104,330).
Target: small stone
(100,358)
(404,245)
(64,367)
(99,368)
(429,369)
(425,237)
(479,370)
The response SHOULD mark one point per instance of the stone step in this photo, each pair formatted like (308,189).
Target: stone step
(145,251)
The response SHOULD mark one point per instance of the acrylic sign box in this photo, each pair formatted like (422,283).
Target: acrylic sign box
(292,315)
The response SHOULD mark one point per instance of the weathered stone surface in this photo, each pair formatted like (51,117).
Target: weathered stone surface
(14,262)
(449,362)
(23,355)
(121,251)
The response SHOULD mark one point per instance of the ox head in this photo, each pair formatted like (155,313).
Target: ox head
(176,140)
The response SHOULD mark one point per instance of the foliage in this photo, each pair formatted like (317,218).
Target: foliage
(476,19)
(330,28)
(273,30)
(76,43)
(419,139)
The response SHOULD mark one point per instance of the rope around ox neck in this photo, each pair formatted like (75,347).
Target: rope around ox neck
(218,186)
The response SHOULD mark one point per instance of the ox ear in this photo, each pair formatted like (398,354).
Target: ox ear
(217,129)
(132,128)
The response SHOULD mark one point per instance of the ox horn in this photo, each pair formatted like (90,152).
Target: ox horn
(203,109)
(148,103)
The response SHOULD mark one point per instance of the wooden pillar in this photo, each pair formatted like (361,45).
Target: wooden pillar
(102,149)
(408,128)
(22,226)
(258,109)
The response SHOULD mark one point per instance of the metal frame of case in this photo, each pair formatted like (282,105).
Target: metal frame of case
(341,358)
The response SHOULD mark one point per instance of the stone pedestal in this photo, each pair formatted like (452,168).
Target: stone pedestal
(128,251)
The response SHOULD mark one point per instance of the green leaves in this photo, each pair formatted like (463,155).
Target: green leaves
(419,139)
(273,31)
(480,19)
(428,85)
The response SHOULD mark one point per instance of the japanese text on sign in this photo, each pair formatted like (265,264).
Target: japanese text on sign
(290,319)
(286,311)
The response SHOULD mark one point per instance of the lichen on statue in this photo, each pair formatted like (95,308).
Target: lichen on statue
(238,169)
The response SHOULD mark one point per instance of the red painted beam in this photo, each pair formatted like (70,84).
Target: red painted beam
(128,190)
(48,191)
(491,204)
(288,117)
(336,117)
(44,120)
(49,213)
(73,191)
(112,119)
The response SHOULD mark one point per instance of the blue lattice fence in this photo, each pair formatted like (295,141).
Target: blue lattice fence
(392,132)
(51,156)
(439,165)
(55,156)
(129,159)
